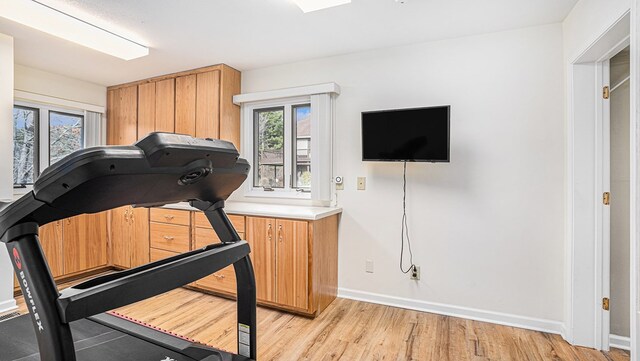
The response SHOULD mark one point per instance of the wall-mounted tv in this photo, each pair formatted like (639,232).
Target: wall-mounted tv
(411,135)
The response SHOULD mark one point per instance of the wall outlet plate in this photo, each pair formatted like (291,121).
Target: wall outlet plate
(362,183)
(415,273)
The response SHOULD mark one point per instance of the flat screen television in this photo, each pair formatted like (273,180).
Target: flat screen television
(411,135)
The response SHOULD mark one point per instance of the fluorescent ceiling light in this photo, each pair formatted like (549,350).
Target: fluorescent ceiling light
(54,22)
(313,5)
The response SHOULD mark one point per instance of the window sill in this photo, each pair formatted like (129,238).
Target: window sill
(19,192)
(258,193)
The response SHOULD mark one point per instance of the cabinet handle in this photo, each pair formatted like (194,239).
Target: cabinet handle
(168,238)
(220,277)
(126,215)
(133,217)
(280,233)
(270,232)
(168,217)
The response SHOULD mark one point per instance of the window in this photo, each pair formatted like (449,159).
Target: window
(42,136)
(65,134)
(282,147)
(25,145)
(288,139)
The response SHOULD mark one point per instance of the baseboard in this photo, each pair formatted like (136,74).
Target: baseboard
(8,305)
(499,318)
(621,342)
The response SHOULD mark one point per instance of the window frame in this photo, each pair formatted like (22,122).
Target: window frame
(256,142)
(249,148)
(294,149)
(44,134)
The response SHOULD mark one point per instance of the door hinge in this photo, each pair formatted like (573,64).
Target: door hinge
(606,198)
(605,92)
(605,304)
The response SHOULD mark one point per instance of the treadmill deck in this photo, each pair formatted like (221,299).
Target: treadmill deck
(94,341)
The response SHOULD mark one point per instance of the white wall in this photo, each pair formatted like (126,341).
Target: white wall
(59,86)
(6,165)
(486,229)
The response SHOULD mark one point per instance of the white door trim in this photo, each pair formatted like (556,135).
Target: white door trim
(585,251)
(635,180)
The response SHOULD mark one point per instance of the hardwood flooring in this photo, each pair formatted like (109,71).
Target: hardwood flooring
(352,330)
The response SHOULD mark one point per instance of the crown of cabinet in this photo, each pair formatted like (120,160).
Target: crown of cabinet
(197,102)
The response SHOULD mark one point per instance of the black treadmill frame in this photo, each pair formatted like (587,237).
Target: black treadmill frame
(51,311)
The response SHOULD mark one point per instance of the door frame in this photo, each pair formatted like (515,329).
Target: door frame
(587,242)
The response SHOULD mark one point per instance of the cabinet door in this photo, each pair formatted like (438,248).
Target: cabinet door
(292,263)
(51,243)
(223,280)
(84,239)
(165,106)
(122,112)
(146,109)
(120,237)
(260,235)
(186,105)
(139,236)
(208,105)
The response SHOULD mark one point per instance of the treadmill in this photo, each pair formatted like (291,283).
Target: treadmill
(74,324)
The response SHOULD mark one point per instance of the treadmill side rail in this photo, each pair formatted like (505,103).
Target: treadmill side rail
(121,289)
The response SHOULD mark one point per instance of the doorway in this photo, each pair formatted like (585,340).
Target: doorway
(619,207)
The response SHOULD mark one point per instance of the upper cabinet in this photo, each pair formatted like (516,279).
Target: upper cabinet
(197,102)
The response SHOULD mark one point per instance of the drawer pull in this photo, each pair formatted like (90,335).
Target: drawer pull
(169,217)
(220,277)
(168,238)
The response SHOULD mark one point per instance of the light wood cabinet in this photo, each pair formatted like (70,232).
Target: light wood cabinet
(260,235)
(129,236)
(295,261)
(51,243)
(122,122)
(186,105)
(84,240)
(196,102)
(204,235)
(292,263)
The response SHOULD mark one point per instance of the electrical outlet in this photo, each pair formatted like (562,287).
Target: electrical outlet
(368,267)
(362,183)
(415,273)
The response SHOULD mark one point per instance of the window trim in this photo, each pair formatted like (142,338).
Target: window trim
(256,142)
(294,149)
(250,143)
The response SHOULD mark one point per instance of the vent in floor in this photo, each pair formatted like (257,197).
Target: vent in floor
(9,316)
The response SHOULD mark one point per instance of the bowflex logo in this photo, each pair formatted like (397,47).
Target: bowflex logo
(27,290)
(16,259)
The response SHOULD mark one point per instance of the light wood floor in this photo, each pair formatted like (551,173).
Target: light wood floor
(351,330)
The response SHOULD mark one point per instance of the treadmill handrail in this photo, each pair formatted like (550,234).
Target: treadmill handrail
(120,289)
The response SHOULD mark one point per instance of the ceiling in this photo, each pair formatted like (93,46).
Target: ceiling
(249,34)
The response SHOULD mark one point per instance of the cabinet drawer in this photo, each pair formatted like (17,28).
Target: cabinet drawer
(207,236)
(170,216)
(158,254)
(169,237)
(237,221)
(223,280)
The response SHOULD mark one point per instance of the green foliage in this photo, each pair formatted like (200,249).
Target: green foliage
(271,127)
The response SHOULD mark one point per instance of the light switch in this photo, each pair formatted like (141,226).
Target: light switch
(368,267)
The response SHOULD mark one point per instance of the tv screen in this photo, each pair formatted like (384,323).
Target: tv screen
(412,135)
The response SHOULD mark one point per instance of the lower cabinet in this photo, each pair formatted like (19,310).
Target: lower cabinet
(75,245)
(294,261)
(84,240)
(129,236)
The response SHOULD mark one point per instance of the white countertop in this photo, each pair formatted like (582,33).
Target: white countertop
(270,210)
